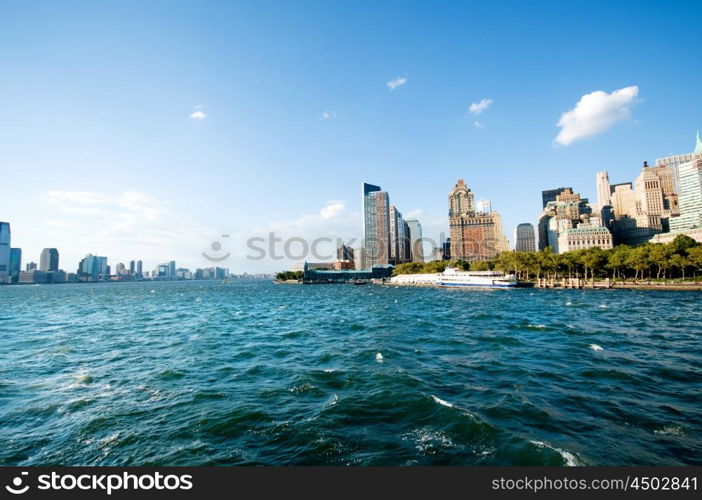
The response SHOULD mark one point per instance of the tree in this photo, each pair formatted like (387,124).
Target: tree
(682,243)
(678,261)
(617,259)
(638,260)
(480,266)
(659,256)
(694,257)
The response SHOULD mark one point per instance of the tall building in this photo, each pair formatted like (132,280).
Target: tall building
(550,194)
(171,269)
(524,238)
(344,253)
(376,226)
(132,267)
(93,268)
(624,200)
(15,264)
(474,235)
(604,192)
(49,260)
(140,269)
(399,239)
(675,161)
(690,201)
(566,211)
(4,252)
(415,239)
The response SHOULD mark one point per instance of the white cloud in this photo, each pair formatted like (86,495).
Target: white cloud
(326,115)
(122,226)
(332,210)
(477,108)
(595,113)
(478,124)
(396,82)
(198,115)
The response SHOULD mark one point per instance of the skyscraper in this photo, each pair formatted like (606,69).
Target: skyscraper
(604,192)
(49,260)
(675,161)
(524,238)
(15,264)
(690,196)
(139,269)
(550,194)
(376,226)
(4,252)
(415,238)
(474,236)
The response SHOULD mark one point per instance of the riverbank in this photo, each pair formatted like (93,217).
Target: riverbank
(579,284)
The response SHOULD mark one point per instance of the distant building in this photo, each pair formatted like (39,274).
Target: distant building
(474,236)
(31,266)
(49,260)
(675,161)
(524,238)
(635,231)
(15,264)
(93,268)
(415,239)
(568,206)
(604,192)
(690,200)
(5,241)
(376,226)
(139,269)
(550,194)
(623,200)
(399,238)
(171,269)
(345,276)
(584,236)
(345,253)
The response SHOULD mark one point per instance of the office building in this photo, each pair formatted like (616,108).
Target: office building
(604,192)
(5,241)
(376,226)
(675,161)
(415,240)
(550,194)
(690,200)
(93,268)
(474,235)
(49,260)
(15,264)
(584,236)
(524,238)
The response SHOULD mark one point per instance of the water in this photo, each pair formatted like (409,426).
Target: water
(202,373)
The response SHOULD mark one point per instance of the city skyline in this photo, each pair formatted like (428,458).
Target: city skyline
(165,148)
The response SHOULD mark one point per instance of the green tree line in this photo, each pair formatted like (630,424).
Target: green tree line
(288,275)
(682,258)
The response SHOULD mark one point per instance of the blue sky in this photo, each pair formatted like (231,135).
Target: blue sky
(100,151)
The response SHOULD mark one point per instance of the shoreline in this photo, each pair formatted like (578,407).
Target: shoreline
(582,285)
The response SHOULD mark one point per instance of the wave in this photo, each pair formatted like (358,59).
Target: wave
(570,459)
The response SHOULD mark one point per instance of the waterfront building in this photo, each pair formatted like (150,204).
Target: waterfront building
(584,236)
(5,241)
(474,236)
(31,266)
(311,275)
(345,253)
(376,225)
(15,264)
(415,239)
(359,255)
(690,200)
(171,269)
(32,277)
(604,192)
(139,269)
(49,260)
(399,239)
(568,206)
(93,268)
(636,230)
(551,194)
(132,267)
(624,200)
(524,238)
(675,161)
(654,192)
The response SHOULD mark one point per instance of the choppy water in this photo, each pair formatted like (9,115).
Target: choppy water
(256,373)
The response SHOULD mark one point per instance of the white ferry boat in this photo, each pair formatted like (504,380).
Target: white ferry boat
(452,277)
